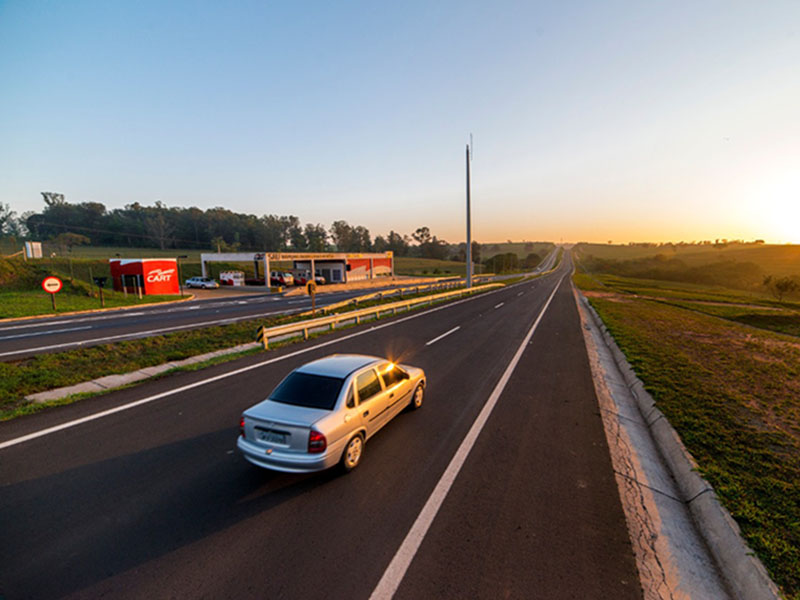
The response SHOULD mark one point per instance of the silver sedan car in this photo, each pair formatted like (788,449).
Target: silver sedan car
(322,413)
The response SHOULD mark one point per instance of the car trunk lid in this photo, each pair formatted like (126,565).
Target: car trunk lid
(281,426)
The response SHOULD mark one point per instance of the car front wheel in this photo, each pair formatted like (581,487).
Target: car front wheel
(352,453)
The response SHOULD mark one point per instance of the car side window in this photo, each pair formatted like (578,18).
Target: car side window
(368,385)
(393,375)
(350,402)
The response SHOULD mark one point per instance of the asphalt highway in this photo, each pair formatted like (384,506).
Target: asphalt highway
(27,337)
(152,500)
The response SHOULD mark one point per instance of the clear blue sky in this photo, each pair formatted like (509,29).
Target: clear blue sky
(592,121)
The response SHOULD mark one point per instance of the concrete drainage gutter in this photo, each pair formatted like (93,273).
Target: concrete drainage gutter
(745,575)
(114,381)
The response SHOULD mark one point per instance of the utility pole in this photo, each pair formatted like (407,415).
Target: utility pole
(469,225)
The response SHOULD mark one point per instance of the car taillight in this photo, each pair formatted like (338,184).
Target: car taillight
(241,427)
(316,442)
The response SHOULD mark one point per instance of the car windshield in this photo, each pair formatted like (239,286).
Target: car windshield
(311,391)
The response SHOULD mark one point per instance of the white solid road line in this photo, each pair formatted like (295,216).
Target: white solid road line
(396,570)
(111,411)
(24,335)
(137,334)
(499,305)
(436,339)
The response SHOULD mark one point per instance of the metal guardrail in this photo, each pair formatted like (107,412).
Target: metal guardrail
(304,327)
(412,289)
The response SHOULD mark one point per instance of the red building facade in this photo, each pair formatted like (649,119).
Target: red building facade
(151,275)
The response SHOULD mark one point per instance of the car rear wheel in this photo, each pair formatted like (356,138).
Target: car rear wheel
(418,397)
(352,453)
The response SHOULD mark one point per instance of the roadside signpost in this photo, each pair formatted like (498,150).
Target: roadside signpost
(52,285)
(311,288)
(101,282)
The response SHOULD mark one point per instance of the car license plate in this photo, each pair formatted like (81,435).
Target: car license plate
(273,437)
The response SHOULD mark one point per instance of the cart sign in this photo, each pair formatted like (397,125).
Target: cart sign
(51,285)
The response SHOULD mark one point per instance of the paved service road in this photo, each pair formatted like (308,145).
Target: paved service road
(152,501)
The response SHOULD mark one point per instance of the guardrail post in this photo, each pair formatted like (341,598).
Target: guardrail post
(333,325)
(305,333)
(358,319)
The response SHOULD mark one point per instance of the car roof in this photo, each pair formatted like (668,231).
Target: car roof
(339,365)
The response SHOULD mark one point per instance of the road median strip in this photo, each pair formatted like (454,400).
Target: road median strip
(278,333)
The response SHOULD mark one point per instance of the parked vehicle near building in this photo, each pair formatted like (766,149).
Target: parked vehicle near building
(202,282)
(281,278)
(303,277)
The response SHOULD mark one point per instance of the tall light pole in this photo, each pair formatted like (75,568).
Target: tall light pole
(469,225)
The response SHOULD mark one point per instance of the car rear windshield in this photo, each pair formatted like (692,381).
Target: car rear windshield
(311,391)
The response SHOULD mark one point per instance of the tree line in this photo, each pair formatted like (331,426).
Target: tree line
(160,226)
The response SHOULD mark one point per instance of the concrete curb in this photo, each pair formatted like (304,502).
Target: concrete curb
(742,570)
(114,381)
(96,310)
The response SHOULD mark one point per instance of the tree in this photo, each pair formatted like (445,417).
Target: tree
(532,260)
(476,252)
(159,225)
(397,243)
(460,254)
(422,235)
(380,244)
(66,241)
(316,237)
(220,245)
(502,263)
(361,241)
(341,234)
(350,239)
(297,238)
(781,286)
(8,219)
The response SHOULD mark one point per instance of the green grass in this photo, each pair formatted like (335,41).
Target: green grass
(432,267)
(778,260)
(748,308)
(685,291)
(731,391)
(25,304)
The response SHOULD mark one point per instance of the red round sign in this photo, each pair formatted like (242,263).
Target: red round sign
(51,285)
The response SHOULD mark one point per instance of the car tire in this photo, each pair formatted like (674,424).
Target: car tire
(417,398)
(353,452)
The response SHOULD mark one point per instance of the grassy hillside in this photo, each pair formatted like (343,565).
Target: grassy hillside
(21,294)
(521,249)
(406,265)
(777,260)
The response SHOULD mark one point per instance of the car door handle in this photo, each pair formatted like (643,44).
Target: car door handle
(391,395)
(366,413)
